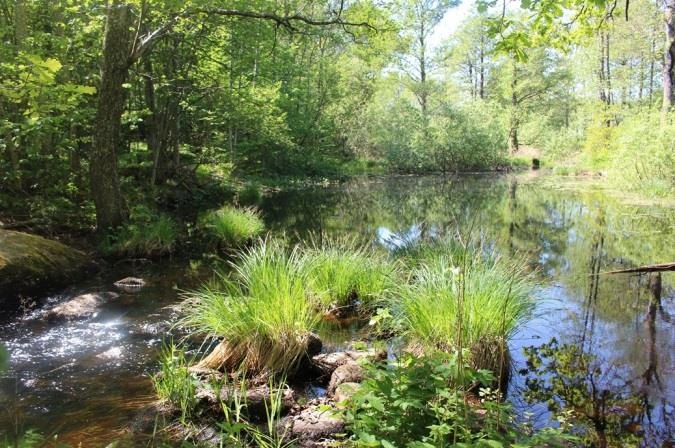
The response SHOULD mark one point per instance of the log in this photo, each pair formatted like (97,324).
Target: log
(648,268)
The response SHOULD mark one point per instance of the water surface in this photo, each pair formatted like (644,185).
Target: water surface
(86,381)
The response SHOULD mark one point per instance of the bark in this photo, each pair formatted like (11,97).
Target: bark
(514,121)
(115,63)
(669,56)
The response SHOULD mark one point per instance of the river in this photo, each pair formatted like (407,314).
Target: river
(86,381)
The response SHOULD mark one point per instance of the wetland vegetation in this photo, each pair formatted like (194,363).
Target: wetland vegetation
(336,223)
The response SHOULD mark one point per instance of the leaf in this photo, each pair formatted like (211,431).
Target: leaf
(53,65)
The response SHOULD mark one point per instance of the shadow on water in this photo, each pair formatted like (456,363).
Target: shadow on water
(87,380)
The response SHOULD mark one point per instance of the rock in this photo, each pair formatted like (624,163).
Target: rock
(311,426)
(345,391)
(80,307)
(255,399)
(30,263)
(346,373)
(326,363)
(130,284)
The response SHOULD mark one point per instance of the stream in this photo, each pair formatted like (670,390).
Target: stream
(88,380)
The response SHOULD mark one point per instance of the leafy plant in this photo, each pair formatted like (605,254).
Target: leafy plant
(146,235)
(423,402)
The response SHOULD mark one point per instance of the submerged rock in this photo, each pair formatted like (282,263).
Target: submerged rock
(29,263)
(80,307)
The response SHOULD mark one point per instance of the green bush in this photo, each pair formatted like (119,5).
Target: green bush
(424,403)
(643,153)
(231,226)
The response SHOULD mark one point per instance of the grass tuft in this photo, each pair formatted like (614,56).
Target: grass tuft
(232,226)
(342,273)
(155,237)
(262,314)
(477,303)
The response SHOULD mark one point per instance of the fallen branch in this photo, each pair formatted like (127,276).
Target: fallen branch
(641,269)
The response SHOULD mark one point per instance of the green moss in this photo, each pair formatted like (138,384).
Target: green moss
(29,259)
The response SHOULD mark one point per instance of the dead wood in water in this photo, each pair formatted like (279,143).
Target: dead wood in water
(643,269)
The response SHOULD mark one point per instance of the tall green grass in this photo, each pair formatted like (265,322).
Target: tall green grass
(262,314)
(342,272)
(466,299)
(232,226)
(174,382)
(153,236)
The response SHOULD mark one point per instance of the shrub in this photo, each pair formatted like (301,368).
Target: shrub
(263,314)
(232,226)
(423,402)
(477,303)
(342,273)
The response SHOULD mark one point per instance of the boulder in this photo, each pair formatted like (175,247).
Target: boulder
(312,426)
(346,373)
(345,391)
(79,307)
(30,263)
(255,399)
(326,363)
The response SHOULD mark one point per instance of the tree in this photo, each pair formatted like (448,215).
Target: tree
(121,49)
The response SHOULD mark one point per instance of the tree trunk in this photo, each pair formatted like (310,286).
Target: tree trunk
(115,63)
(514,120)
(669,61)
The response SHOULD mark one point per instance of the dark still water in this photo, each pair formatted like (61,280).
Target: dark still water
(87,381)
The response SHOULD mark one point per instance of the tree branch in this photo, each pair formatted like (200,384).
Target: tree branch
(287,21)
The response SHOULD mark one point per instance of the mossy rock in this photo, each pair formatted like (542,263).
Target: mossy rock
(30,262)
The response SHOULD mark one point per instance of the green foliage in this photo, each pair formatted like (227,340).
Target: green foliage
(580,395)
(472,300)
(652,167)
(423,402)
(232,227)
(468,139)
(263,314)
(146,235)
(174,383)
(342,273)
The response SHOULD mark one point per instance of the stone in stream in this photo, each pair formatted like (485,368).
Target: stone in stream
(255,398)
(345,391)
(346,373)
(30,263)
(313,426)
(130,284)
(79,307)
(326,363)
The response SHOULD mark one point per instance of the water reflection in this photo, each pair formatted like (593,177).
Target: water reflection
(95,373)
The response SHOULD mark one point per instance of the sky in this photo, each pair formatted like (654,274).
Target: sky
(451,21)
